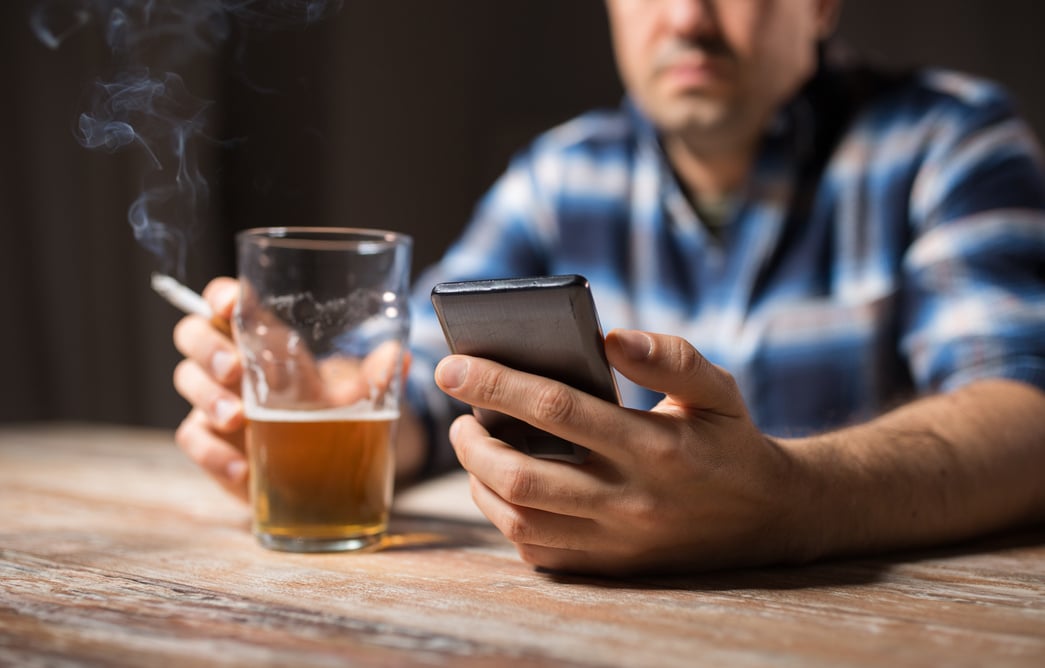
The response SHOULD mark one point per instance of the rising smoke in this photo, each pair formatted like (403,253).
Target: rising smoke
(144,104)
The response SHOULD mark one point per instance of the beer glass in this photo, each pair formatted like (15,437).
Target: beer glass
(321,324)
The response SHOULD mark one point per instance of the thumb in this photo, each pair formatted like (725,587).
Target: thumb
(669,364)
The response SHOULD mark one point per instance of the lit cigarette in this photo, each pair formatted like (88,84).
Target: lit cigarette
(188,301)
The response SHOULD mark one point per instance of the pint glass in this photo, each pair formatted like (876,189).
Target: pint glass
(322,324)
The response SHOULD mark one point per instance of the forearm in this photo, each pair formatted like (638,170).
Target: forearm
(942,468)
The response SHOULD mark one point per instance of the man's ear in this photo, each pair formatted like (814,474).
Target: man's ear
(828,12)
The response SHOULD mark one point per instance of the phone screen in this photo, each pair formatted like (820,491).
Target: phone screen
(543,325)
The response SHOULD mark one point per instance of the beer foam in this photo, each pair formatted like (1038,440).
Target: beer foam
(361,412)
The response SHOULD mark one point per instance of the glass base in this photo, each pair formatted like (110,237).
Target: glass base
(290,544)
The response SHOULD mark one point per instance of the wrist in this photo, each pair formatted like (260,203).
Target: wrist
(803,517)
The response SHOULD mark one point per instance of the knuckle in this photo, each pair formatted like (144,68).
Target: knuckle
(517,485)
(182,374)
(197,340)
(727,378)
(686,356)
(645,511)
(553,403)
(514,526)
(182,335)
(195,386)
(487,386)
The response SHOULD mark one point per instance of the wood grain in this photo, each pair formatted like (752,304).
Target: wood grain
(115,550)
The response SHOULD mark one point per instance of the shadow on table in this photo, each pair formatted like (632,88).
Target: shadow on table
(828,573)
(410,531)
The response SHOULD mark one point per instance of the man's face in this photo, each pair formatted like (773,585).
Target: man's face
(716,70)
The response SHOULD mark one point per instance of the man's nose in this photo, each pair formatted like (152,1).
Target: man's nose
(691,18)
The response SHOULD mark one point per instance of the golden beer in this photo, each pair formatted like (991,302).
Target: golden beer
(320,480)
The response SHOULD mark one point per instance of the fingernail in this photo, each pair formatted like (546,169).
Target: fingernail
(235,470)
(222,364)
(635,345)
(451,372)
(225,410)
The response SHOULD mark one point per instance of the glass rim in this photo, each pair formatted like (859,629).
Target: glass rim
(324,238)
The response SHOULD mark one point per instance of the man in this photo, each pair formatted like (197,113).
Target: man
(839,241)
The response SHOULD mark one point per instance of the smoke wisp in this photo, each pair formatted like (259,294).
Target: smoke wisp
(143,103)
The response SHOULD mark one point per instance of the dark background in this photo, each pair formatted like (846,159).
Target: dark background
(394,114)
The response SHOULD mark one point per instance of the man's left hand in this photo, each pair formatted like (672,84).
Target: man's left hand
(691,484)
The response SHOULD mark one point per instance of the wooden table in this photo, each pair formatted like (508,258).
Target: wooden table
(115,550)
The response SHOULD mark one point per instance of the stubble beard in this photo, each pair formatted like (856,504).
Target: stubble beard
(704,125)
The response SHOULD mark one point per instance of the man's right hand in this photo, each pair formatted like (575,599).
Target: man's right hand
(209,378)
(212,434)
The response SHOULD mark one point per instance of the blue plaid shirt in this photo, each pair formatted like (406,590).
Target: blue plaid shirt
(889,242)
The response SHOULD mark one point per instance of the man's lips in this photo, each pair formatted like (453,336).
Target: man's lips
(698,72)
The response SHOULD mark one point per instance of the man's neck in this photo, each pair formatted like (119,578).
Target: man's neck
(710,174)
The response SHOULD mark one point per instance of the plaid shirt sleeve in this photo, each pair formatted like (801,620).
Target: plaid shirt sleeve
(975,273)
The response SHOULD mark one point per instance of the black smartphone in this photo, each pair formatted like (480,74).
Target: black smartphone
(544,325)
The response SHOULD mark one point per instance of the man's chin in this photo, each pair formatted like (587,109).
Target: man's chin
(692,118)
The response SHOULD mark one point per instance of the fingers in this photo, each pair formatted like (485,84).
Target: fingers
(200,342)
(209,376)
(222,459)
(221,294)
(380,365)
(520,481)
(669,364)
(340,382)
(561,542)
(379,369)
(277,360)
(220,405)
(559,516)
(552,406)
(346,380)
(529,526)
